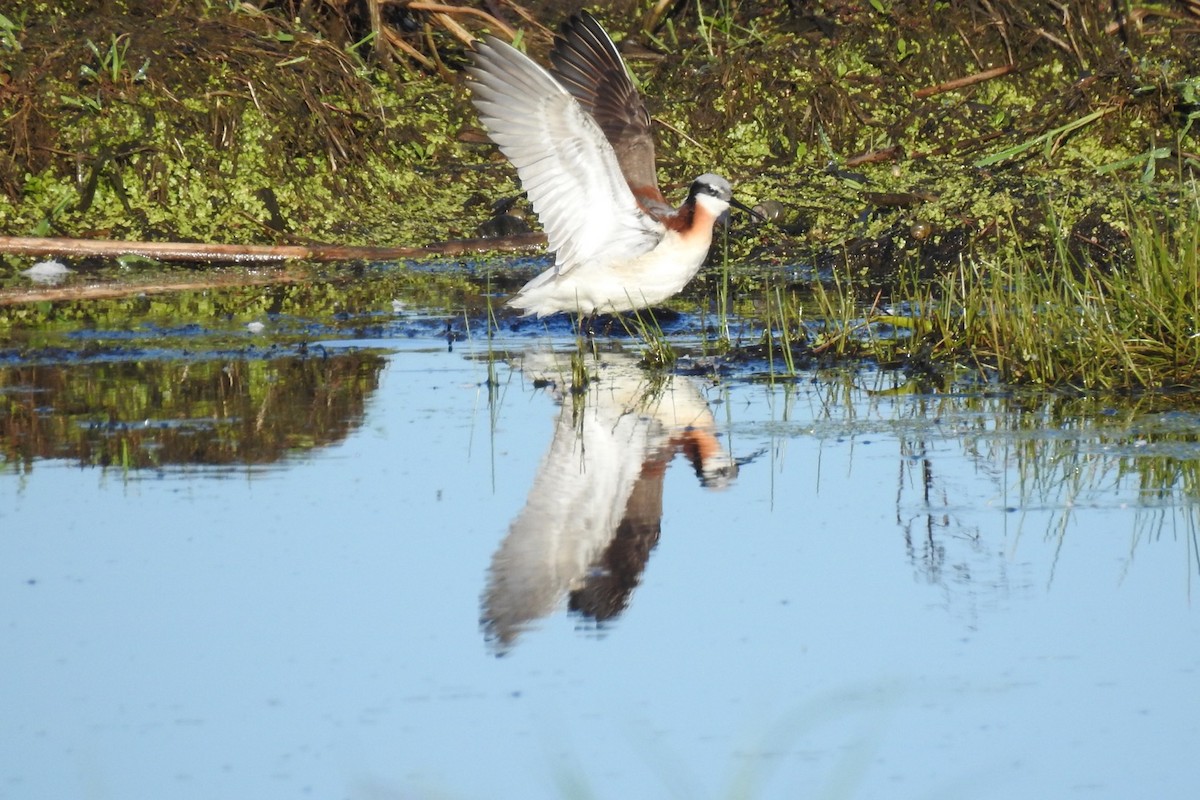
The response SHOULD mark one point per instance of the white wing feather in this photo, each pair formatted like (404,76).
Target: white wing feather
(565,163)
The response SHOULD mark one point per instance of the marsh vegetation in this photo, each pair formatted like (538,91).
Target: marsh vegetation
(1005,186)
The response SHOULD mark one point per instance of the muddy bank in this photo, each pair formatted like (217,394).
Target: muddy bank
(890,135)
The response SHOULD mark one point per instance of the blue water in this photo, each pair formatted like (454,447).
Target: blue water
(868,594)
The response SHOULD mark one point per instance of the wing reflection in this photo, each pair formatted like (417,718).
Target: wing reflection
(594,511)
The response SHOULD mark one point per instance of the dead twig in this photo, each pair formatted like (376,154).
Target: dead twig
(111,291)
(443,12)
(458,31)
(875,156)
(1055,40)
(396,41)
(682,135)
(969,80)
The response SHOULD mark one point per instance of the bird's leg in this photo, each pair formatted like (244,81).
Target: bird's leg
(587,325)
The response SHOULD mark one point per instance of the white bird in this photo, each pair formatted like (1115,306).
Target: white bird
(581,143)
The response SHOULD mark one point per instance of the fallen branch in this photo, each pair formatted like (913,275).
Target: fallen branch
(969,80)
(110,291)
(221,253)
(255,254)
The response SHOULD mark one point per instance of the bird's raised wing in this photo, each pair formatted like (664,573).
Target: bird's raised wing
(586,61)
(565,163)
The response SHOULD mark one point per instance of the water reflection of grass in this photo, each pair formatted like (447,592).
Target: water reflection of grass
(152,412)
(1102,462)
(1047,456)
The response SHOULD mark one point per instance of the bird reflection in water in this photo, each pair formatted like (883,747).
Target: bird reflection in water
(594,511)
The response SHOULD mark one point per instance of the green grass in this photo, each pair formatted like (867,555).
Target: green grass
(1048,320)
(1040,317)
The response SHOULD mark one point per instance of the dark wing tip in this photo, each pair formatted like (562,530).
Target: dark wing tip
(585,24)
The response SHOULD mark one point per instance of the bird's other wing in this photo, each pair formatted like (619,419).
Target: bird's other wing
(566,165)
(586,61)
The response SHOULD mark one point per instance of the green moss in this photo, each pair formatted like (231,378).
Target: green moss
(209,138)
(213,135)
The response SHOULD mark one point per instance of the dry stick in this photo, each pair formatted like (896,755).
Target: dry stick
(443,71)
(458,31)
(655,15)
(970,80)
(442,9)
(681,134)
(241,253)
(875,156)
(184,251)
(13,297)
(375,13)
(395,41)
(1066,48)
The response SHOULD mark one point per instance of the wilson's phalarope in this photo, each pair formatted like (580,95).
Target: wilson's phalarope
(580,139)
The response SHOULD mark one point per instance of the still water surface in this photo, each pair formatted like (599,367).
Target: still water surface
(420,584)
